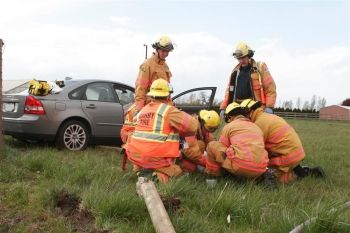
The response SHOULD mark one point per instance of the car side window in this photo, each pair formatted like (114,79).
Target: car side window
(77,93)
(125,96)
(99,92)
(194,98)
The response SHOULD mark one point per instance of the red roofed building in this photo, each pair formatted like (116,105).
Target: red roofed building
(335,112)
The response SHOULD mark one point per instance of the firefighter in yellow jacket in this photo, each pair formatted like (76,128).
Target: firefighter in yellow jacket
(249,79)
(152,69)
(240,149)
(154,145)
(283,144)
(194,146)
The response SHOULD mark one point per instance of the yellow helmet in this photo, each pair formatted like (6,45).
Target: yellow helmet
(160,88)
(250,104)
(231,107)
(211,119)
(242,50)
(164,42)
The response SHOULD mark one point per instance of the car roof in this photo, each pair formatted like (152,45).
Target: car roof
(74,83)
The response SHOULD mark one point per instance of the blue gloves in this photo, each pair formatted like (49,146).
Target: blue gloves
(268,110)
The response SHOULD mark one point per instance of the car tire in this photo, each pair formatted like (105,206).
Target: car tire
(73,135)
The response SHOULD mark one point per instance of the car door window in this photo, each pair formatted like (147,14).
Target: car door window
(99,92)
(77,93)
(125,95)
(196,99)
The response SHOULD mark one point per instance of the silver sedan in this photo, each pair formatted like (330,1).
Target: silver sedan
(84,112)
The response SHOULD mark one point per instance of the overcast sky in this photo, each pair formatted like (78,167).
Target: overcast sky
(306,44)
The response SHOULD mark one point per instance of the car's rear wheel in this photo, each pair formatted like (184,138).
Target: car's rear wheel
(73,135)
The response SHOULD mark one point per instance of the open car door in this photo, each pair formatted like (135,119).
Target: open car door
(194,100)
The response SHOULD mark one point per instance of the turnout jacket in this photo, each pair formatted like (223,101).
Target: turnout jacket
(245,144)
(281,140)
(156,134)
(261,81)
(151,69)
(129,123)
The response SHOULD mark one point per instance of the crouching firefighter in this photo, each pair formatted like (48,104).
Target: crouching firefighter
(154,145)
(240,149)
(283,144)
(193,151)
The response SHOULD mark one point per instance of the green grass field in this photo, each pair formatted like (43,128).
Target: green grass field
(43,189)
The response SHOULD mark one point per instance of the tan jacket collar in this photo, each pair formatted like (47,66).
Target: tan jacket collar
(257,112)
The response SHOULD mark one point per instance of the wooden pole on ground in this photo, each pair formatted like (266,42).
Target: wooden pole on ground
(160,218)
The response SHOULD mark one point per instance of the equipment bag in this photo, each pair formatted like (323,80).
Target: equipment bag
(39,88)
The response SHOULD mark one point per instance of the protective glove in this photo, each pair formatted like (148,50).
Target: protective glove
(222,113)
(268,110)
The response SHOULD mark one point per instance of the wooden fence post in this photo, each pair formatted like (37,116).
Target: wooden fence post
(2,146)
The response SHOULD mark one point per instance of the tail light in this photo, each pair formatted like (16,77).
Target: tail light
(33,106)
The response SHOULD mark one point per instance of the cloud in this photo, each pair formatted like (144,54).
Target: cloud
(322,72)
(13,11)
(53,51)
(120,20)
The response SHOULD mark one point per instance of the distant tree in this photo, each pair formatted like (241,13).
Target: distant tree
(298,104)
(306,106)
(322,103)
(192,98)
(346,102)
(288,104)
(313,103)
(204,99)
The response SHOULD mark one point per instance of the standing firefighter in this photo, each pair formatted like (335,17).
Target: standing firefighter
(154,145)
(249,79)
(152,69)
(240,149)
(194,146)
(282,143)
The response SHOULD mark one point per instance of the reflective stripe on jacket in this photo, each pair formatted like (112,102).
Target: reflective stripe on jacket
(157,134)
(245,144)
(152,69)
(129,123)
(281,140)
(259,71)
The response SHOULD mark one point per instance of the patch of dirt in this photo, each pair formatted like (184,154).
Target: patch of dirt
(171,203)
(81,218)
(8,221)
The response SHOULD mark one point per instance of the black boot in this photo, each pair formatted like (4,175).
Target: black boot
(317,172)
(302,172)
(147,173)
(270,179)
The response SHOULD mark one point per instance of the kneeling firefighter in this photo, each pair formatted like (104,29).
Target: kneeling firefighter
(283,144)
(154,145)
(193,151)
(240,149)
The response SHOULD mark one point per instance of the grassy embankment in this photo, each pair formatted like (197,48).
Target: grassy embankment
(35,180)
